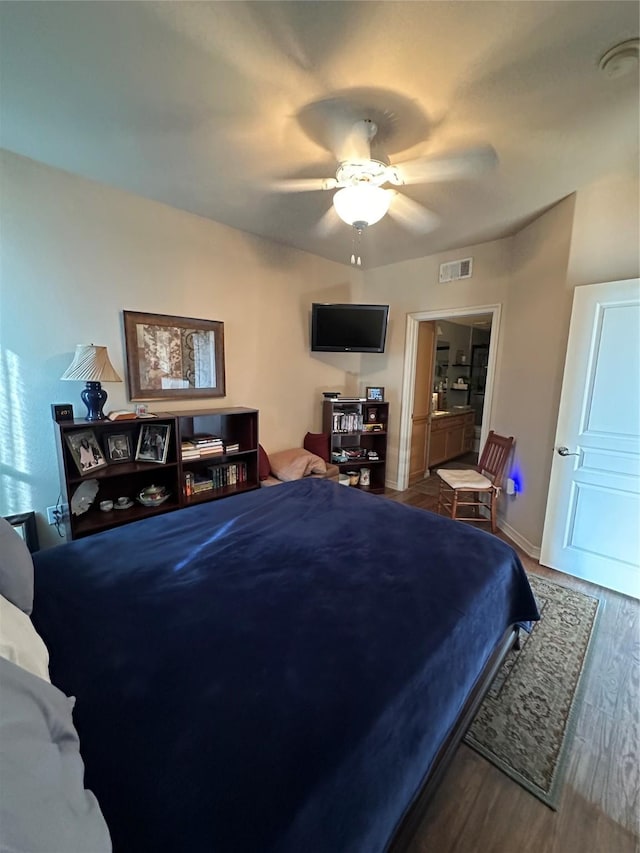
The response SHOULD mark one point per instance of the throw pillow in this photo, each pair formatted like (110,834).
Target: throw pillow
(296,463)
(264,466)
(44,804)
(20,642)
(16,568)
(318,443)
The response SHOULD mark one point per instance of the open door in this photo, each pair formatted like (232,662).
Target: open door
(591,527)
(421,415)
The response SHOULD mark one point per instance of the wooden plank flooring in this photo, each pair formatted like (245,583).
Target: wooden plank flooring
(477,809)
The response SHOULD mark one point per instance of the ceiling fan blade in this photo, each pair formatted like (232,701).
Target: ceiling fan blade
(465,163)
(328,223)
(412,215)
(303,185)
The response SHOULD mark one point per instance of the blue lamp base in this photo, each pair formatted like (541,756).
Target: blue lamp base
(94,397)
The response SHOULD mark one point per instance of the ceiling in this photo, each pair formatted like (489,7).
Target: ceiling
(201,105)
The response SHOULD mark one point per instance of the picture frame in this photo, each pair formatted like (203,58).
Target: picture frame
(375,393)
(153,443)
(173,357)
(85,451)
(118,447)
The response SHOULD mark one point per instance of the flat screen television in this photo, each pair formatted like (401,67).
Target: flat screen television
(348,328)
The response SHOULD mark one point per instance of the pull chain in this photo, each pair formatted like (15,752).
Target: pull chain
(356,260)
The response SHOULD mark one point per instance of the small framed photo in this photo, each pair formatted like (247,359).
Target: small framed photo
(153,443)
(85,451)
(118,447)
(376,394)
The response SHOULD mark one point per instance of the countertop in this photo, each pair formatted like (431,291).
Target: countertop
(443,413)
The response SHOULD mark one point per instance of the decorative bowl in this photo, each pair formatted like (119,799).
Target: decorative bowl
(153,496)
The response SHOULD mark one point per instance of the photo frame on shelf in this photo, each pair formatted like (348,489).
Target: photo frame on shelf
(153,443)
(86,451)
(375,393)
(173,357)
(118,447)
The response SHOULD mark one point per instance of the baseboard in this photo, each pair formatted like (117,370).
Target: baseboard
(530,550)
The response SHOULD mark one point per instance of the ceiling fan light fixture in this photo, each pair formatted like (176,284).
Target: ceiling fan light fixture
(362,204)
(620,59)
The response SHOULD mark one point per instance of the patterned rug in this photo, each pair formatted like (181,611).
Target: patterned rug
(525,723)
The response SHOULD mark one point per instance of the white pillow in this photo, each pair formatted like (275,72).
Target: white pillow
(20,642)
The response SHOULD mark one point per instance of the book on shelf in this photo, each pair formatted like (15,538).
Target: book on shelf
(228,475)
(122,415)
(201,438)
(201,484)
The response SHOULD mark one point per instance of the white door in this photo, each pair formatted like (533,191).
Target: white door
(592,522)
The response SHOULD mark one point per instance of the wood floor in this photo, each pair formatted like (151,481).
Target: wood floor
(477,809)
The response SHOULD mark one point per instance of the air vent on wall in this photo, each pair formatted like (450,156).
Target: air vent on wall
(454,270)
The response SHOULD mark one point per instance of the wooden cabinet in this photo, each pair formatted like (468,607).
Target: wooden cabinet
(358,432)
(107,478)
(451,435)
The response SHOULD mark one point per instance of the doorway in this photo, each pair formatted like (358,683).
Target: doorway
(456,354)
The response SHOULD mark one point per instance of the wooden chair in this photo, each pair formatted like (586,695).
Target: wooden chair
(476,487)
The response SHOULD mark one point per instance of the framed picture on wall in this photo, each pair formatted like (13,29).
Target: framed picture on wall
(375,393)
(173,357)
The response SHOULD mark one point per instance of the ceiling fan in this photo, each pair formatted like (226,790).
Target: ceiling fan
(361,198)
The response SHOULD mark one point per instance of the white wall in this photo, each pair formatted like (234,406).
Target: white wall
(75,253)
(529,376)
(590,236)
(412,286)
(605,241)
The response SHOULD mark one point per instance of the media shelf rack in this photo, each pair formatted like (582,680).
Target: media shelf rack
(358,428)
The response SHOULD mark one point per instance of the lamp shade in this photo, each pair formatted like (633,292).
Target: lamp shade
(91,364)
(361,205)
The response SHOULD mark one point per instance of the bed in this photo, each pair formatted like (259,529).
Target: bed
(278,672)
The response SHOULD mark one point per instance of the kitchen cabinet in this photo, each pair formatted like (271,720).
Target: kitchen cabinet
(451,435)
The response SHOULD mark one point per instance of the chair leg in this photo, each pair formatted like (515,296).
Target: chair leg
(494,501)
(444,507)
(454,504)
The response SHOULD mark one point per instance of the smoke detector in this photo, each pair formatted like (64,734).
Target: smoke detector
(620,60)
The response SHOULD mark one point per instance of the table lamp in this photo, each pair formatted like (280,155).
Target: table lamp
(91,364)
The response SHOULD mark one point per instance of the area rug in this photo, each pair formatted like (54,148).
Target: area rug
(525,723)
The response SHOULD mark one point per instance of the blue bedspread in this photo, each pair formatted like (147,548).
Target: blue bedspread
(272,673)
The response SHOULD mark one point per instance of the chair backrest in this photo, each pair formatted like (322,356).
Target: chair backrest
(494,457)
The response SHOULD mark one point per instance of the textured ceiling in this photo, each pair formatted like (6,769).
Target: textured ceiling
(203,105)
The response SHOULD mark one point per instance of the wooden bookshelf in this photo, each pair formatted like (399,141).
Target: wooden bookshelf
(358,427)
(230,473)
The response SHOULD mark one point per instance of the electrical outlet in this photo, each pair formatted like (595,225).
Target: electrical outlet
(57,513)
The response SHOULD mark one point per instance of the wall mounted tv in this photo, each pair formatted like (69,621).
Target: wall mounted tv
(348,328)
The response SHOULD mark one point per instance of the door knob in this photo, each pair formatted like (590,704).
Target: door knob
(564,451)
